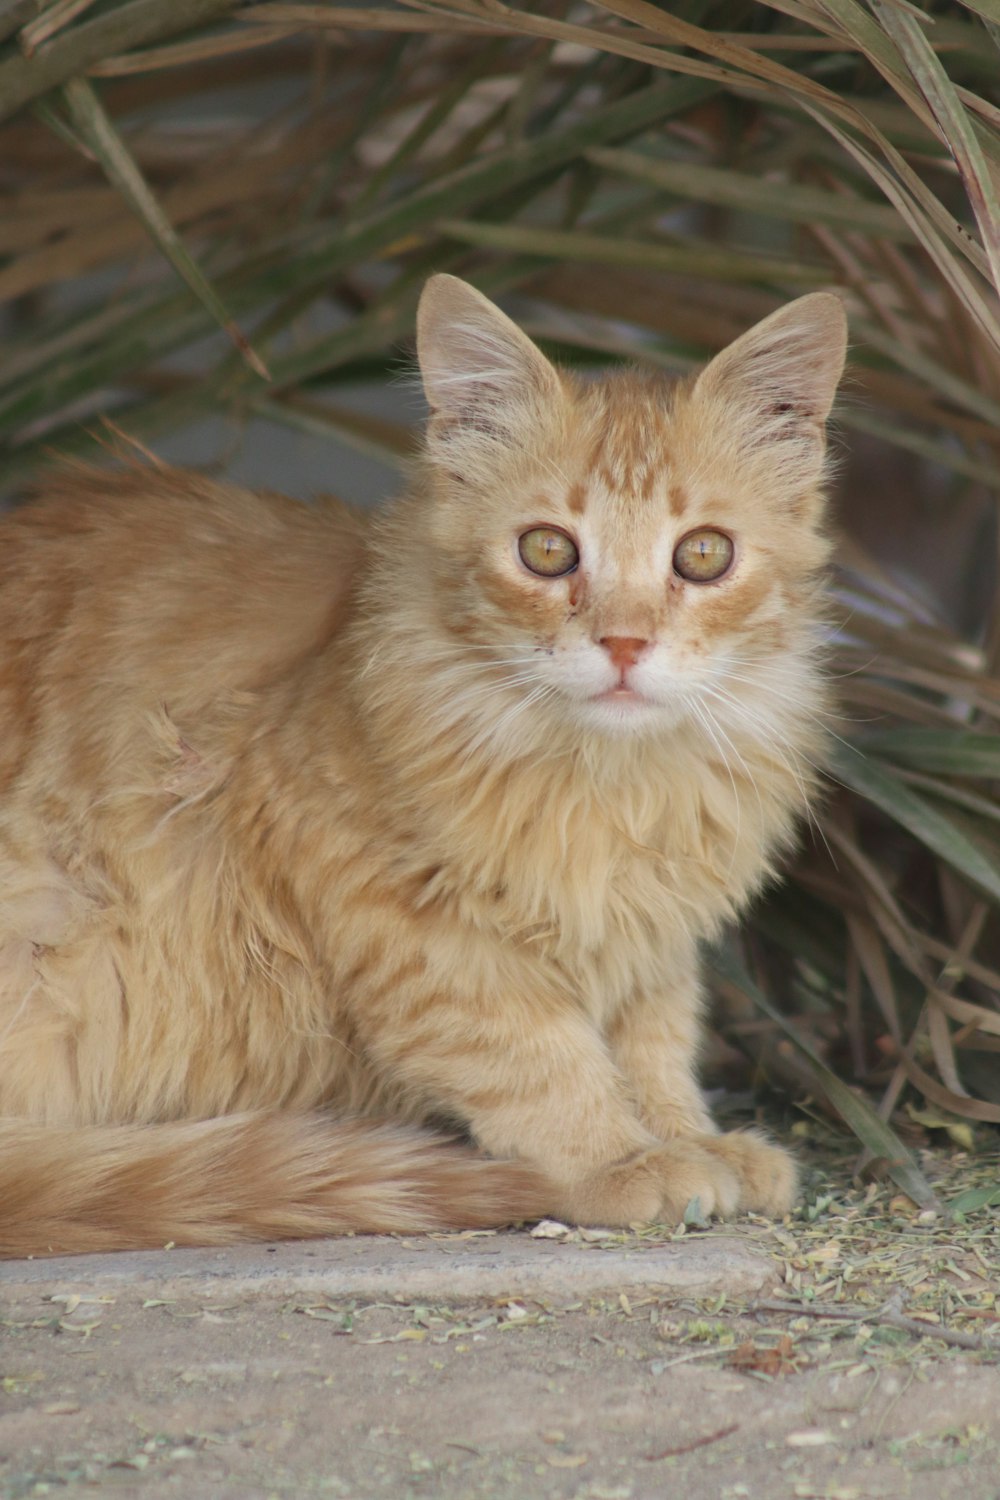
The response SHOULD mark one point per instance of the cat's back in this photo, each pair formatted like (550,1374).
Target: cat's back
(169,573)
(158,587)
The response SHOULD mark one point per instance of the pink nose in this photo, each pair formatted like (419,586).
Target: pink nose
(624,650)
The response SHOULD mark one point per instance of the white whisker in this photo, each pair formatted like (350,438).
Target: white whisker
(768,738)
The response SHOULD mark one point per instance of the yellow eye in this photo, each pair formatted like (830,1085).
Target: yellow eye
(548,552)
(703,556)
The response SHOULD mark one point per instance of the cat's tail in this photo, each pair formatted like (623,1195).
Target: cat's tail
(244,1177)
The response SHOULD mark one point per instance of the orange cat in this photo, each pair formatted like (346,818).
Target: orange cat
(311,821)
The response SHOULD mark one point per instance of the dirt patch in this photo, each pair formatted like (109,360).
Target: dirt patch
(612,1400)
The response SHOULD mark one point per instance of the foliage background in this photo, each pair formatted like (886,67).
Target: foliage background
(213,206)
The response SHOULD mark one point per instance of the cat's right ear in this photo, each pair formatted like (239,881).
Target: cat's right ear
(777,382)
(482,376)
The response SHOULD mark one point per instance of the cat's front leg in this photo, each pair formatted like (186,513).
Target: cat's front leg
(655,1039)
(531,1077)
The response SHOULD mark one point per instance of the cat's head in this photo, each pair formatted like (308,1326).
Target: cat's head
(626,549)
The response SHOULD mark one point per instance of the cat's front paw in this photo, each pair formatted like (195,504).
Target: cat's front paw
(726,1174)
(655,1186)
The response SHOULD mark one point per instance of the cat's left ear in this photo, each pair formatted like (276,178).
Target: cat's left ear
(782,375)
(482,376)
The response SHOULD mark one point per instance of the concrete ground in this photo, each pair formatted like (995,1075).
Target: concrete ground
(575,1366)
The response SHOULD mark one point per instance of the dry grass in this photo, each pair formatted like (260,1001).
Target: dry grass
(645,180)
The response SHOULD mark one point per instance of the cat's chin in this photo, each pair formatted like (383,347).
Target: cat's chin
(621,711)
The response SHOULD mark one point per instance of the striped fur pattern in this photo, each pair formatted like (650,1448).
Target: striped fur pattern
(351,873)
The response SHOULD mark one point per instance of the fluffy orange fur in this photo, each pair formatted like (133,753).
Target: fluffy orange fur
(322,835)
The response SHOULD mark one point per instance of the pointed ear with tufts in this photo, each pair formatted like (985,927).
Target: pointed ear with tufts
(779,379)
(482,376)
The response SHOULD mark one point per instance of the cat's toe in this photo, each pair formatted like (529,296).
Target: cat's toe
(690,1176)
(768,1176)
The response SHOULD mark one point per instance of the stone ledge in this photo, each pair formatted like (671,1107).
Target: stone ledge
(444,1267)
